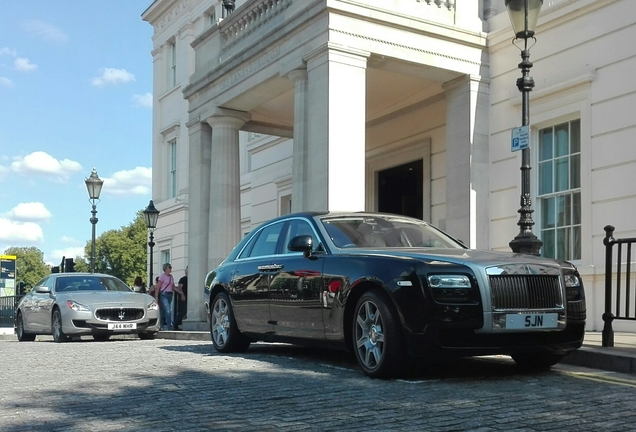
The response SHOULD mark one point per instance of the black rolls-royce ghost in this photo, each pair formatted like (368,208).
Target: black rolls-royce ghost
(389,288)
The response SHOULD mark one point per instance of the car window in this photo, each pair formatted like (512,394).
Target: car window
(298,227)
(89,283)
(265,242)
(385,231)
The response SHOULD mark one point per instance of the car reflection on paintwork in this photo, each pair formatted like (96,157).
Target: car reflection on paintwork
(65,305)
(390,289)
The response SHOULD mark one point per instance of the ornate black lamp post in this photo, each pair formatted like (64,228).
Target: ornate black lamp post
(229,6)
(151,214)
(523,16)
(94,186)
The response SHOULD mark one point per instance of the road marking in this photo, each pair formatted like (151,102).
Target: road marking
(602,377)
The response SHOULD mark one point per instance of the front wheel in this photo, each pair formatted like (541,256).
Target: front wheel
(56,326)
(378,343)
(22,335)
(225,334)
(541,360)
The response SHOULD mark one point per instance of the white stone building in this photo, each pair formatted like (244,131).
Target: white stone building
(403,106)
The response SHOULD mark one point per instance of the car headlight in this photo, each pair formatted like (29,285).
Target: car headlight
(77,306)
(153,306)
(448,281)
(451,289)
(573,286)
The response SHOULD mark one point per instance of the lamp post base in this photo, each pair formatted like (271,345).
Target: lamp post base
(526,244)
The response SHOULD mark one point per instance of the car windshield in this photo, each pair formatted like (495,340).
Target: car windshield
(356,231)
(89,283)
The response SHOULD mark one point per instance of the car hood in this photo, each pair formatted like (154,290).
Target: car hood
(459,256)
(108,298)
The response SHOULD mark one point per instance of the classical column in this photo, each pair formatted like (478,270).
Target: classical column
(336,102)
(198,215)
(225,181)
(467,160)
(299,159)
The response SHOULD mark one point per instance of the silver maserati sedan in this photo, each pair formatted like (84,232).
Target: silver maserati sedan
(76,304)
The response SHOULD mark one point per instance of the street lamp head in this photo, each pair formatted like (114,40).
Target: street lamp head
(524,15)
(94,185)
(151,214)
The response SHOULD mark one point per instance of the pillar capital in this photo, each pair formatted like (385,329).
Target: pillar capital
(224,116)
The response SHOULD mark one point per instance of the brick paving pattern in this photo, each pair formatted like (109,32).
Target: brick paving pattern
(180,385)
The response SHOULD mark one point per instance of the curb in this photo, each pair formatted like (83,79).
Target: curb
(607,359)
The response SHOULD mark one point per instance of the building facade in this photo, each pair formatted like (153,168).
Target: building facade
(403,106)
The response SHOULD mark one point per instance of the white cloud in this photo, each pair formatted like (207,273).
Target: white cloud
(24,64)
(6,82)
(45,31)
(66,239)
(8,51)
(20,233)
(40,162)
(144,100)
(137,181)
(29,212)
(112,76)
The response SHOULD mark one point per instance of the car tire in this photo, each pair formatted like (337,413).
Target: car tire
(101,337)
(224,332)
(22,335)
(147,335)
(56,327)
(535,361)
(377,340)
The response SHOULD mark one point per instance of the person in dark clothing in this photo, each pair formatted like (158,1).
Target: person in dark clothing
(181,305)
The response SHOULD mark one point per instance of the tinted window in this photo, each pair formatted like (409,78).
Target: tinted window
(385,231)
(265,242)
(89,283)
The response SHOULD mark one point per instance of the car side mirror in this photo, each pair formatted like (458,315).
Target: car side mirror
(302,244)
(42,289)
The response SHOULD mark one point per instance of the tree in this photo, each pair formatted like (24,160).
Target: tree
(121,252)
(29,263)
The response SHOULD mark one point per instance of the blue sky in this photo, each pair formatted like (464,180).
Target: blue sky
(75,93)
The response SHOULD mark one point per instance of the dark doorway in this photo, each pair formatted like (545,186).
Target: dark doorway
(400,189)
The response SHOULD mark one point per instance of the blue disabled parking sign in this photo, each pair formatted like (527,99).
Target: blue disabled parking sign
(520,138)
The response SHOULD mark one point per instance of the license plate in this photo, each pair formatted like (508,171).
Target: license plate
(532,321)
(122,326)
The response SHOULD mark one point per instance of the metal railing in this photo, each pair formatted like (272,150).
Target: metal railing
(7,310)
(620,303)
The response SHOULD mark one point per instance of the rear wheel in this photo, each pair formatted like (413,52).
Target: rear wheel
(225,334)
(56,327)
(377,340)
(101,337)
(147,335)
(22,335)
(541,360)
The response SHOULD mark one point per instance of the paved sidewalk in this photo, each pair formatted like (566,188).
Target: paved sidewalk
(621,358)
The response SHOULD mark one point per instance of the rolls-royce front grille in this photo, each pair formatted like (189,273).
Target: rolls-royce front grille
(119,314)
(525,292)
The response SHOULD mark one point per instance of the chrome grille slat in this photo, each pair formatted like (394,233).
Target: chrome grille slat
(113,314)
(525,292)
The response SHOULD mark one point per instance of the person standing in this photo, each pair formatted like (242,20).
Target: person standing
(138,285)
(164,295)
(181,305)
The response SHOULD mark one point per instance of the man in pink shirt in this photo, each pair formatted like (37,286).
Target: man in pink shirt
(163,295)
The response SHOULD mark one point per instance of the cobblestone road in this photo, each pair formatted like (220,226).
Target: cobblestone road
(170,385)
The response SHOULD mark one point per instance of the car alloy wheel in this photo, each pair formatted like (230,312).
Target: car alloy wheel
(377,340)
(22,336)
(223,329)
(58,334)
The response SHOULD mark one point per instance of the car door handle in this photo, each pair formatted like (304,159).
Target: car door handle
(270,267)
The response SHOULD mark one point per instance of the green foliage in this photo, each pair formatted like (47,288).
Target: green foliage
(122,252)
(30,266)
